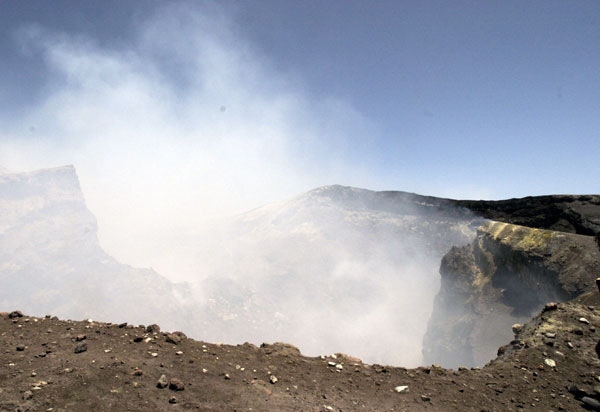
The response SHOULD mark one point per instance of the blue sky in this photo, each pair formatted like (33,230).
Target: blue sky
(174,110)
(496,98)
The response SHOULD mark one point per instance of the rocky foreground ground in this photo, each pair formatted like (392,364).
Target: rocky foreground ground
(49,364)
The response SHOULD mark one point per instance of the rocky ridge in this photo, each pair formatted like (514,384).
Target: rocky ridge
(63,365)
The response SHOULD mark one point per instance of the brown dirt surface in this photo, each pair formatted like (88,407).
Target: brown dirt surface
(121,366)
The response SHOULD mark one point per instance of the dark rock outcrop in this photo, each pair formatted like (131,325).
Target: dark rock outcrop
(564,213)
(507,274)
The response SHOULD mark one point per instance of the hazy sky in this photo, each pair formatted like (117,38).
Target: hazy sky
(178,110)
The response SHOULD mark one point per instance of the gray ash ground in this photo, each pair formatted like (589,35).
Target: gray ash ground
(47,364)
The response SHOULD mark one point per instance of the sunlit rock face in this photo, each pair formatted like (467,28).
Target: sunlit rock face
(337,269)
(504,277)
(51,262)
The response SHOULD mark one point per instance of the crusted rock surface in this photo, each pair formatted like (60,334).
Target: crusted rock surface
(507,274)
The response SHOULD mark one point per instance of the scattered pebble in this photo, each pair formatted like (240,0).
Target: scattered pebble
(80,347)
(15,314)
(176,384)
(550,362)
(591,403)
(401,388)
(584,320)
(273,379)
(162,382)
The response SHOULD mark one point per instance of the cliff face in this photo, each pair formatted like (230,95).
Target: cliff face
(51,261)
(564,213)
(507,274)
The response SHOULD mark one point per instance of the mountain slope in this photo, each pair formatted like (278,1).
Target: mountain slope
(335,269)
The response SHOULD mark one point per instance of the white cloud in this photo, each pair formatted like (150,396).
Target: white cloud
(184,121)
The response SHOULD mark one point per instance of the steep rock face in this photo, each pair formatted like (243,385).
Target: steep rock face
(564,213)
(51,261)
(508,273)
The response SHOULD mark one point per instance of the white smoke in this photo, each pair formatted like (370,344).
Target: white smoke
(182,122)
(186,123)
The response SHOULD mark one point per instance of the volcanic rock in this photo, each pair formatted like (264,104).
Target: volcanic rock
(507,274)
(176,384)
(80,347)
(162,382)
(15,314)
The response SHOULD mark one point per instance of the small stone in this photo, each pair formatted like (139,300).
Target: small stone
(584,320)
(179,353)
(154,328)
(550,362)
(273,379)
(79,338)
(122,325)
(401,388)
(517,328)
(570,345)
(20,348)
(15,314)
(172,399)
(591,403)
(227,377)
(425,398)
(550,335)
(339,366)
(81,347)
(138,339)
(137,372)
(162,382)
(550,306)
(27,395)
(331,364)
(176,384)
(176,337)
